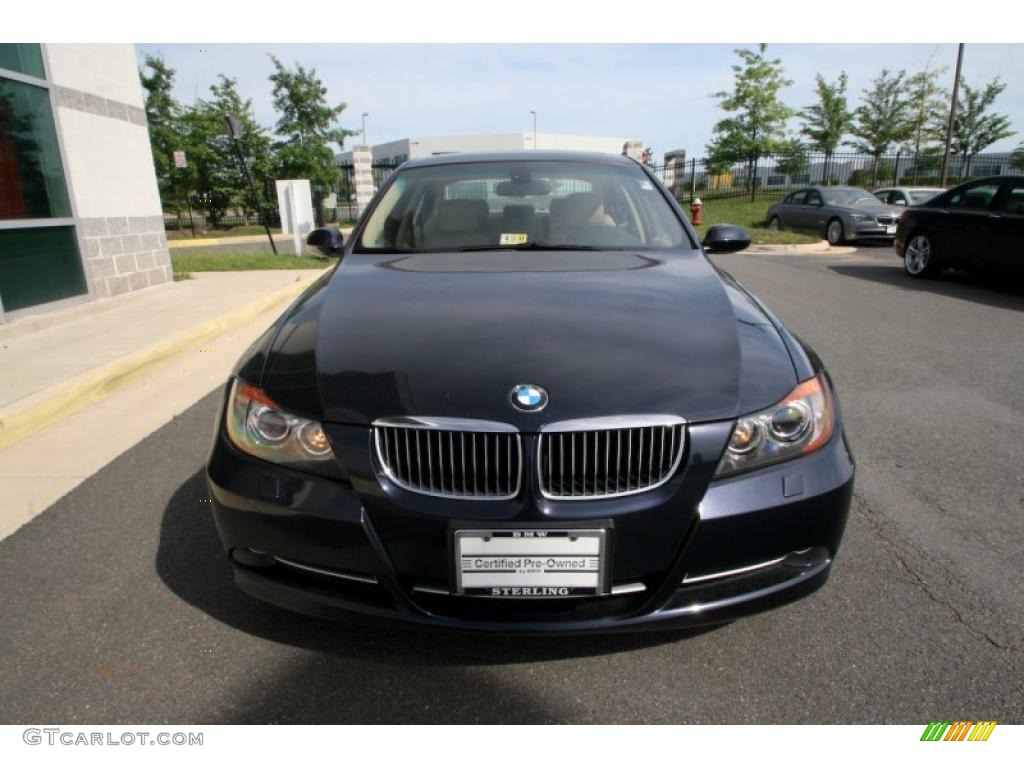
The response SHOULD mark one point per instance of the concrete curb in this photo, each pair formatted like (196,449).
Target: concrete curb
(819,248)
(51,404)
(207,242)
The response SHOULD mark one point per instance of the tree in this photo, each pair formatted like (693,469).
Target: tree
(975,127)
(306,125)
(927,111)
(163,114)
(1017,158)
(880,122)
(757,122)
(208,173)
(254,141)
(792,158)
(825,123)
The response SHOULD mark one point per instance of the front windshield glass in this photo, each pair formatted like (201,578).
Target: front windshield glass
(521,204)
(848,196)
(922,195)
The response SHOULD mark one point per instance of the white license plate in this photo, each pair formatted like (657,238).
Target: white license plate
(531,562)
(890,230)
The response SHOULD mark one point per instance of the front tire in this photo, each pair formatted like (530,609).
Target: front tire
(834,232)
(919,256)
(775,225)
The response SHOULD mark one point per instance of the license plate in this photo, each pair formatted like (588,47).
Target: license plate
(890,230)
(531,562)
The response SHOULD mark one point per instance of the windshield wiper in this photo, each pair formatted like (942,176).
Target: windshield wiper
(531,246)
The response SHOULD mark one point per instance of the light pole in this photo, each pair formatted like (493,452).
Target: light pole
(365,115)
(235,132)
(952,115)
(532,112)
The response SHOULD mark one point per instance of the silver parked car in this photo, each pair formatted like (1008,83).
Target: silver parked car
(836,213)
(907,196)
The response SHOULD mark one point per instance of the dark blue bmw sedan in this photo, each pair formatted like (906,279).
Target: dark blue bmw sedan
(526,401)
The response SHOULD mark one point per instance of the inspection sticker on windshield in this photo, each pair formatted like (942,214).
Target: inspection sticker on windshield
(513,238)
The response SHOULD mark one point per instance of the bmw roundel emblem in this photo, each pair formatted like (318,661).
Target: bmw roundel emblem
(528,397)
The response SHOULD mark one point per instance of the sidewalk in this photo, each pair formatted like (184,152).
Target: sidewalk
(55,365)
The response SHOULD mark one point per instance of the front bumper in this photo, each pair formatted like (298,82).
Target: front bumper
(860,231)
(688,554)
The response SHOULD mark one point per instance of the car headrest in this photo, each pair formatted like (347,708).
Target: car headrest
(581,207)
(976,200)
(1015,203)
(460,215)
(518,212)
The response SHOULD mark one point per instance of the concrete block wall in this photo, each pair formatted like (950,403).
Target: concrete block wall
(125,253)
(109,166)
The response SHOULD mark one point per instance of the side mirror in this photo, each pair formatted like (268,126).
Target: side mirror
(725,238)
(325,241)
(900,201)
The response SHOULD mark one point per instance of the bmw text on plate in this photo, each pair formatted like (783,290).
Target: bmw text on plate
(526,400)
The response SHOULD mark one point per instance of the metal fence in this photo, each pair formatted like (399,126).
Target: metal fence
(196,218)
(346,191)
(193,213)
(770,176)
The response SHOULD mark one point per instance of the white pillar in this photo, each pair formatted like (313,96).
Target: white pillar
(634,149)
(362,176)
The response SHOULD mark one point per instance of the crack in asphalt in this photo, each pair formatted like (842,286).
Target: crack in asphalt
(875,520)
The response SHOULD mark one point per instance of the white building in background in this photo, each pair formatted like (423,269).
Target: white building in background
(80,214)
(393,152)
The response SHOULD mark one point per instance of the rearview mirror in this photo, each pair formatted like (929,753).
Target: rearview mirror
(325,241)
(725,238)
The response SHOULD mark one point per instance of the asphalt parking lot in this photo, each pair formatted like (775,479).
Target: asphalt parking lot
(118,604)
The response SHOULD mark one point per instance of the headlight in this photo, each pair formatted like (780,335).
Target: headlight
(257,426)
(800,423)
(861,217)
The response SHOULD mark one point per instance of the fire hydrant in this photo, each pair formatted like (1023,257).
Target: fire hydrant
(696,206)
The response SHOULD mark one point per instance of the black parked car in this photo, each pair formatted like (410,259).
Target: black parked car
(526,401)
(979,223)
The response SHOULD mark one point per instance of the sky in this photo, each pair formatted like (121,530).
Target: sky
(657,93)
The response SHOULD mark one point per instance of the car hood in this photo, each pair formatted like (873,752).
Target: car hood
(450,334)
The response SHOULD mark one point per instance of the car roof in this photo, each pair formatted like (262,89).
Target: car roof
(826,186)
(995,179)
(524,155)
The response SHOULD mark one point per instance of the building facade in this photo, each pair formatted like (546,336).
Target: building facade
(80,214)
(395,152)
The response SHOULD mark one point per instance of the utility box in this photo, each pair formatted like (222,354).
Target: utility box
(295,202)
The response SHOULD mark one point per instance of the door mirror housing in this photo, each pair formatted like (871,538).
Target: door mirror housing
(725,238)
(325,241)
(900,201)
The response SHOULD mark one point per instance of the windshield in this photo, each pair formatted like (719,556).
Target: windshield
(519,205)
(922,195)
(848,196)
